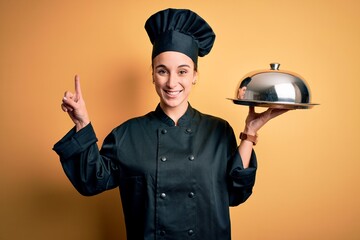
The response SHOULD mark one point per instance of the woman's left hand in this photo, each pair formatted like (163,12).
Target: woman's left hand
(255,121)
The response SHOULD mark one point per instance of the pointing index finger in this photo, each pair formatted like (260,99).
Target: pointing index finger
(77,87)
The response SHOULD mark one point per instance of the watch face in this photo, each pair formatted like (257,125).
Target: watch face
(244,136)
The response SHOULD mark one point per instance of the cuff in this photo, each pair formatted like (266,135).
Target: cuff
(243,177)
(75,142)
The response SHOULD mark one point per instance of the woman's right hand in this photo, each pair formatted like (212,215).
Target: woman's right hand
(74,105)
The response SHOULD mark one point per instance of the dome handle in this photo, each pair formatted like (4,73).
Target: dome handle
(274,66)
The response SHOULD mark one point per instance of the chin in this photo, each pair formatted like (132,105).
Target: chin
(173,103)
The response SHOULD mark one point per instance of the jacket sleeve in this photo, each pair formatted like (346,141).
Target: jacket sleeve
(89,171)
(241,181)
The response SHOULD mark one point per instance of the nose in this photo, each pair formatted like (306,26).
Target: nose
(172,81)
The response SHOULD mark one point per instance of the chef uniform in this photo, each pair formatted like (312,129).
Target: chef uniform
(176,181)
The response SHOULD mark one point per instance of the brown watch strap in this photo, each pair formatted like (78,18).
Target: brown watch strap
(251,138)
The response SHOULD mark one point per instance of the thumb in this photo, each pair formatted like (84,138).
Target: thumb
(251,109)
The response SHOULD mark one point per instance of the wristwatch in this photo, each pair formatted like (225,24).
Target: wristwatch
(251,138)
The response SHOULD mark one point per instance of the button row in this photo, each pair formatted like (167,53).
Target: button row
(190,195)
(164,159)
(188,130)
(190,232)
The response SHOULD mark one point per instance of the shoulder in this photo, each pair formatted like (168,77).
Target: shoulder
(135,121)
(210,118)
(212,121)
(215,128)
(132,128)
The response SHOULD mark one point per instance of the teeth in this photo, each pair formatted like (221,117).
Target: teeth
(173,92)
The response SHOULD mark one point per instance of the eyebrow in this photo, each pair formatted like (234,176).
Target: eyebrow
(180,66)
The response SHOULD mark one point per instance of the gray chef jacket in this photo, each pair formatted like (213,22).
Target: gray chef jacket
(176,182)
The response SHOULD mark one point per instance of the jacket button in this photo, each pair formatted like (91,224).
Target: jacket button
(163,195)
(191,195)
(162,233)
(191,232)
(191,158)
(163,159)
(164,131)
(188,130)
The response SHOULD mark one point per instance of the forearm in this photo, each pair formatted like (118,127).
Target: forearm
(245,151)
(254,122)
(246,146)
(89,171)
(242,178)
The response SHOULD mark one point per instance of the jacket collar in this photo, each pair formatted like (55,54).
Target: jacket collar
(184,121)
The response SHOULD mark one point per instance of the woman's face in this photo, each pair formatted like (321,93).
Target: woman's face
(241,93)
(173,76)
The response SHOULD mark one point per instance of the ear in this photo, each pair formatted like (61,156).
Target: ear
(195,77)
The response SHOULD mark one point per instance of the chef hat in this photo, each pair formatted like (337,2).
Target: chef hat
(179,30)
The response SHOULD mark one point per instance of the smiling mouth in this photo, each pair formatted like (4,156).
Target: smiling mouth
(173,93)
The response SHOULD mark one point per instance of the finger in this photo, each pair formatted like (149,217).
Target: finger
(251,109)
(70,104)
(277,112)
(63,107)
(267,112)
(77,88)
(66,108)
(68,95)
(274,112)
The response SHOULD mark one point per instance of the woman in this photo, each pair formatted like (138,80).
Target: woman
(178,170)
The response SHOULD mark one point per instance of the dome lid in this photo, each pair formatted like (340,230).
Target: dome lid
(273,88)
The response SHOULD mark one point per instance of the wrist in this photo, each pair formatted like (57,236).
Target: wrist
(250,131)
(248,137)
(81,125)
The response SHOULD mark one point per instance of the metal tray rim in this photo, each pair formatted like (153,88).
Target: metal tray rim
(283,105)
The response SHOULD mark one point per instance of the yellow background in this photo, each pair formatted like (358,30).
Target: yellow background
(308,181)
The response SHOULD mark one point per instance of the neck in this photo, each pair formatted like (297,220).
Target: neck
(175,113)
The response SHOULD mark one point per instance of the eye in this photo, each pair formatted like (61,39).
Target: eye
(183,72)
(161,71)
